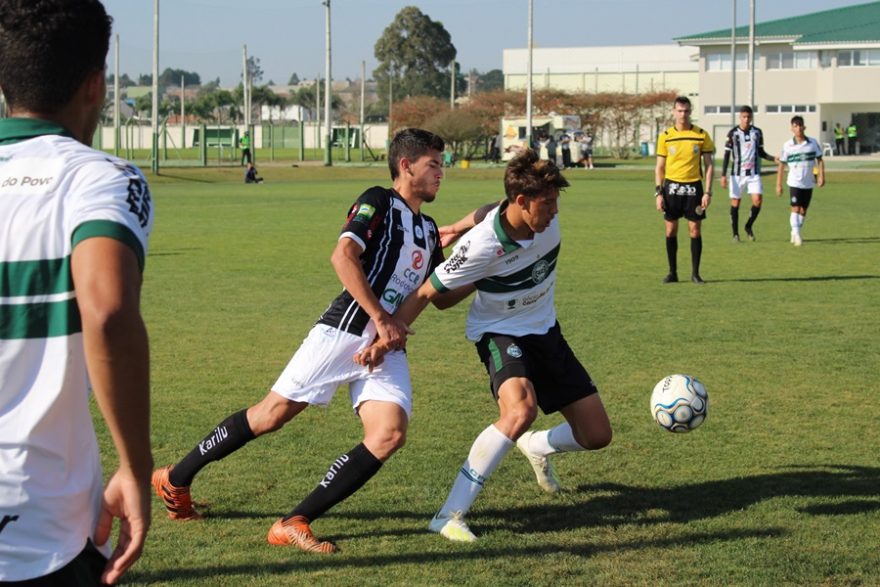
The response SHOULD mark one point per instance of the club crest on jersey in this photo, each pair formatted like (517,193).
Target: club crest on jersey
(419,233)
(514,351)
(540,271)
(696,149)
(364,213)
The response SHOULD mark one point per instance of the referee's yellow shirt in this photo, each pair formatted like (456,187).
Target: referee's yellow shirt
(683,150)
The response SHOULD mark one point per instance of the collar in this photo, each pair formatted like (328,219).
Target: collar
(15,130)
(507,243)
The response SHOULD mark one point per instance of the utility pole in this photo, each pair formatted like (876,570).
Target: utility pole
(733,66)
(328,154)
(155,147)
(529,81)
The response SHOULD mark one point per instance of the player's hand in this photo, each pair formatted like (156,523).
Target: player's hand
(778,191)
(392,330)
(661,206)
(820,181)
(128,499)
(723,181)
(705,201)
(373,356)
(448,235)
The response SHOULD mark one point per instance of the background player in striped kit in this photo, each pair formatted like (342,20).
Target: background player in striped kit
(744,150)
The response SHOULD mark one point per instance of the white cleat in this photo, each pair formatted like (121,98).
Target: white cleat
(797,240)
(547,478)
(452,527)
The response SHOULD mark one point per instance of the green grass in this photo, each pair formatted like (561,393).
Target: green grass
(781,485)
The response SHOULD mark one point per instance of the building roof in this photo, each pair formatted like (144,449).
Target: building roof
(848,25)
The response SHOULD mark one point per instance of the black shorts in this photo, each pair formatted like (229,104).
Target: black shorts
(544,359)
(683,199)
(83,571)
(801,197)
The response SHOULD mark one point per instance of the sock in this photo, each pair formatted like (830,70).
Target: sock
(801,220)
(696,253)
(486,452)
(753,215)
(230,435)
(734,220)
(794,222)
(554,440)
(672,253)
(346,475)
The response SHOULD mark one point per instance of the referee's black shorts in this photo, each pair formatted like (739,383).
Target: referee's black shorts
(546,360)
(683,199)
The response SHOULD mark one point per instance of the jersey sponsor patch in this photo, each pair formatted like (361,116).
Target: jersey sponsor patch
(514,351)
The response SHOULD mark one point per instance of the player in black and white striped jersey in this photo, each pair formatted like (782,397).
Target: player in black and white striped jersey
(744,150)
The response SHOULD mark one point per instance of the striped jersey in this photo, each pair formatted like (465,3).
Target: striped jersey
(801,158)
(744,149)
(400,249)
(515,280)
(683,150)
(54,193)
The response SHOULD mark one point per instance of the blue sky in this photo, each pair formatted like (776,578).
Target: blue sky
(206,36)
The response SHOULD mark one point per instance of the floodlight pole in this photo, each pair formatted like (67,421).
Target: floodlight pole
(155,147)
(733,66)
(752,53)
(116,100)
(452,86)
(363,90)
(328,154)
(182,112)
(529,81)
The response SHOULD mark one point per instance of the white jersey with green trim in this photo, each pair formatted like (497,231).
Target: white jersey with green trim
(801,158)
(515,281)
(54,193)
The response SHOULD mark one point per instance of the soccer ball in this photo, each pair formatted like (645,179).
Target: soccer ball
(679,403)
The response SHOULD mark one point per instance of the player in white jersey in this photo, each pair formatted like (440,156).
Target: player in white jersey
(802,154)
(74,225)
(386,249)
(510,258)
(743,151)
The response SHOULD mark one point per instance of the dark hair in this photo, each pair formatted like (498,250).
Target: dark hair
(799,120)
(531,176)
(48,48)
(411,143)
(746,109)
(683,100)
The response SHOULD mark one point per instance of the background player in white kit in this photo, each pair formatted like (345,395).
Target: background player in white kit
(386,244)
(743,151)
(802,154)
(510,258)
(75,224)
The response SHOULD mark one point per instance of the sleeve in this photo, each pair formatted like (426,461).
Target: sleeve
(728,147)
(437,256)
(468,264)
(818,149)
(761,152)
(366,215)
(783,156)
(661,145)
(111,198)
(708,144)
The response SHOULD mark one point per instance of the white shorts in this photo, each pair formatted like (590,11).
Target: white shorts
(745,184)
(324,361)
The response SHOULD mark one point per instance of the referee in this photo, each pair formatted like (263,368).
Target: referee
(679,192)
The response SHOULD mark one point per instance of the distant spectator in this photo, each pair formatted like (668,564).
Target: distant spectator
(565,147)
(250,176)
(839,133)
(245,143)
(587,150)
(852,137)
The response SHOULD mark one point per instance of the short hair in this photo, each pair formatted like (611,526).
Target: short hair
(531,176)
(683,100)
(746,109)
(48,48)
(799,120)
(411,143)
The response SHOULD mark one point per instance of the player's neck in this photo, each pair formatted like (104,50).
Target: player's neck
(684,126)
(514,224)
(407,194)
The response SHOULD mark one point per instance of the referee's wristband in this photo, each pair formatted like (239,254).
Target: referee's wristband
(658,191)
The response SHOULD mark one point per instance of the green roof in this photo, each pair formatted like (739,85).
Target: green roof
(852,24)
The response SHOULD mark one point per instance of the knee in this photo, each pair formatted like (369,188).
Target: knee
(594,439)
(268,417)
(518,419)
(385,443)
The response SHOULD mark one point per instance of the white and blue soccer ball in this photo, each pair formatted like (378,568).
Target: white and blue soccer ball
(679,403)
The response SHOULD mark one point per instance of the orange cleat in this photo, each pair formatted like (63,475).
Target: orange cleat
(296,532)
(177,500)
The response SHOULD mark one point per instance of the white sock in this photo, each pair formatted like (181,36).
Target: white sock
(486,452)
(795,224)
(554,440)
(801,220)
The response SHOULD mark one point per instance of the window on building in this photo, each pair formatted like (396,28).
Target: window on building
(824,58)
(784,108)
(721,61)
(792,60)
(859,58)
(771,109)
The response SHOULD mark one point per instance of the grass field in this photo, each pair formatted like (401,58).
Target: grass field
(781,485)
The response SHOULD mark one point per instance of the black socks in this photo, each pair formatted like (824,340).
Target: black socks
(229,436)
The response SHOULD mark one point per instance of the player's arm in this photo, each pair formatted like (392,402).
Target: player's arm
(709,163)
(820,180)
(347,264)
(107,281)
(659,177)
(780,169)
(727,148)
(452,232)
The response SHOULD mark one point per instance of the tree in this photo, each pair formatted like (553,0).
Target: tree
(294,80)
(145,79)
(171,77)
(124,80)
(490,81)
(415,53)
(255,72)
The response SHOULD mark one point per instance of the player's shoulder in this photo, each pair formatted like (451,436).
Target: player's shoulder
(699,130)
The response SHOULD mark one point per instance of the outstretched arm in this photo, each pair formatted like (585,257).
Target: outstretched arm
(452,232)
(107,281)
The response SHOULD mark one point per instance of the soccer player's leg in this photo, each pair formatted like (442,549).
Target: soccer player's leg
(735,199)
(694,230)
(672,212)
(756,191)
